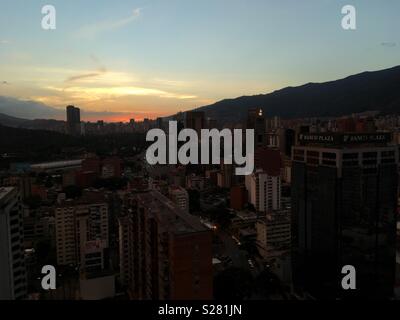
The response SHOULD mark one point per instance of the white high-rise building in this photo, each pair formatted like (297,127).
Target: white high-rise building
(264,191)
(13,279)
(78,222)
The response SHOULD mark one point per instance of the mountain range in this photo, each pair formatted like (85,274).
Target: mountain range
(36,124)
(367,91)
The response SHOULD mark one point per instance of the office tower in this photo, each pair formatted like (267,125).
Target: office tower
(256,121)
(180,197)
(195,120)
(286,141)
(166,254)
(77,222)
(344,202)
(73,120)
(13,278)
(264,190)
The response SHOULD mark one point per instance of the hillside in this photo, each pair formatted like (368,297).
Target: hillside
(367,91)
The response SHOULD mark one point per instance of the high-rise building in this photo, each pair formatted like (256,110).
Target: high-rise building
(264,184)
(13,278)
(73,120)
(78,222)
(165,252)
(286,141)
(256,121)
(344,202)
(264,190)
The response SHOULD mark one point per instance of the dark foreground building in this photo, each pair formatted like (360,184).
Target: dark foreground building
(166,254)
(344,199)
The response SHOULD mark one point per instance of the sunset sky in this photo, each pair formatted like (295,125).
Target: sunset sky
(134,59)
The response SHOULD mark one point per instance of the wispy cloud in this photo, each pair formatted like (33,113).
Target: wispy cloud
(4,41)
(101,70)
(82,76)
(388,44)
(92,30)
(98,93)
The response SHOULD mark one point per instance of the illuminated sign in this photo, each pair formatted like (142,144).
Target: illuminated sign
(345,138)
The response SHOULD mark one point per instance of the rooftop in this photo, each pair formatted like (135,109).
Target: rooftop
(179,221)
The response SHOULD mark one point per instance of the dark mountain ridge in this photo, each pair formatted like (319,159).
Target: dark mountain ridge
(367,91)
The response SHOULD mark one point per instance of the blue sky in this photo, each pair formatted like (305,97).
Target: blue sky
(155,57)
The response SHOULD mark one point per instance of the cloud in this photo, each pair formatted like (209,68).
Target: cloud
(5,83)
(98,93)
(4,42)
(92,30)
(83,76)
(389,44)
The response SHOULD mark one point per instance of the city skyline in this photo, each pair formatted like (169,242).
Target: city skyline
(144,59)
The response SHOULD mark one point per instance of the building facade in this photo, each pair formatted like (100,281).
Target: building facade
(264,191)
(78,222)
(13,278)
(344,202)
(166,253)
